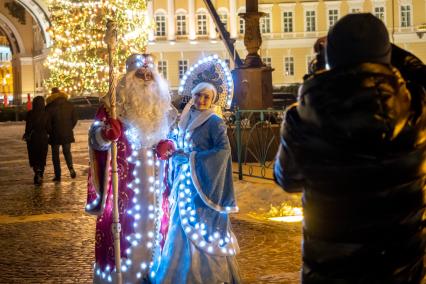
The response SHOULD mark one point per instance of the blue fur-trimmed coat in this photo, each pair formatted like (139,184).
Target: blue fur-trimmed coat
(200,245)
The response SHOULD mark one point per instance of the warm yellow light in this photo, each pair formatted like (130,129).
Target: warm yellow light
(287,219)
(79,52)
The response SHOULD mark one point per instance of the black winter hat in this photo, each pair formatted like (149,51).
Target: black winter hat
(358,38)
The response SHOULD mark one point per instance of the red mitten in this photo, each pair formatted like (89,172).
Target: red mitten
(165,148)
(112,129)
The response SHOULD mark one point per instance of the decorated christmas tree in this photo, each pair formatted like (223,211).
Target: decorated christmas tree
(78,61)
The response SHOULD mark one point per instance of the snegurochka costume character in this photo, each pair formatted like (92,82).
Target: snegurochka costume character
(144,116)
(200,246)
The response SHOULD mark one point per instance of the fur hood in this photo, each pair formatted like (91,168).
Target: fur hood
(56,96)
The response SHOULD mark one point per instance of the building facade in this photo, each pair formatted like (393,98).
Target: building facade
(6,78)
(24,45)
(184,31)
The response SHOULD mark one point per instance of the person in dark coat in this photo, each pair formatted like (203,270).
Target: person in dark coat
(355,145)
(36,135)
(63,119)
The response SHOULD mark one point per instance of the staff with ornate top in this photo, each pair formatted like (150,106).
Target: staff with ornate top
(111,41)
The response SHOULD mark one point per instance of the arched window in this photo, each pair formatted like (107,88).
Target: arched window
(160,24)
(201,22)
(181,23)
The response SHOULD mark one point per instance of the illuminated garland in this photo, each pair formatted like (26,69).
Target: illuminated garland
(78,58)
(152,238)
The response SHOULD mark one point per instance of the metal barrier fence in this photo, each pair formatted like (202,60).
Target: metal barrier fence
(254,136)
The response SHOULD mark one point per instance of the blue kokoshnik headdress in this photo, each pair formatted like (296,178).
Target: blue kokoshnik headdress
(212,70)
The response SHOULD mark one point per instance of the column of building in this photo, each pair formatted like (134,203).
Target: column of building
(233,18)
(212,28)
(191,19)
(151,20)
(171,34)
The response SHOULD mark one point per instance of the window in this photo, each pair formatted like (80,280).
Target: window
(267,61)
(289,66)
(162,68)
(265,24)
(181,24)
(288,21)
(202,24)
(224,19)
(379,12)
(183,67)
(242,26)
(310,21)
(333,15)
(405,16)
(160,22)
(355,10)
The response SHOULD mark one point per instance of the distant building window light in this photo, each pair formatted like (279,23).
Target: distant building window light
(379,12)
(242,26)
(405,16)
(288,21)
(265,24)
(183,67)
(202,24)
(310,18)
(181,24)
(267,61)
(162,68)
(289,66)
(160,22)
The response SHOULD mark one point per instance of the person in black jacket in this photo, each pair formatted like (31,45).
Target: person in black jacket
(37,127)
(63,120)
(355,145)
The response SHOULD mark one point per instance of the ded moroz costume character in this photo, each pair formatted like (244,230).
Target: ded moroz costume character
(144,116)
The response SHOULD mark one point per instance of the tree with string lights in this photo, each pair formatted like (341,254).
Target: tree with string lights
(78,58)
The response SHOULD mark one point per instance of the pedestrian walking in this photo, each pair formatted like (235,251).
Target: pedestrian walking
(354,145)
(63,119)
(37,127)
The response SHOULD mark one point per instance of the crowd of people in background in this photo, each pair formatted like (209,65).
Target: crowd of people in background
(50,123)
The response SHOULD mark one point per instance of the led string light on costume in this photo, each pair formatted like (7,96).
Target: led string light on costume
(136,239)
(214,59)
(196,230)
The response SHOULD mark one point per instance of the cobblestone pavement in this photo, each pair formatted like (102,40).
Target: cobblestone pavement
(45,236)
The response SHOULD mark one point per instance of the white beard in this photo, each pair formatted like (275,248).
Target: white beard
(145,106)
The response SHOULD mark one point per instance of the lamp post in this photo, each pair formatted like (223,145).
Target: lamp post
(252,80)
(252,35)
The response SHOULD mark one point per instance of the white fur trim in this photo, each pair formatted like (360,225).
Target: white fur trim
(203,197)
(99,139)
